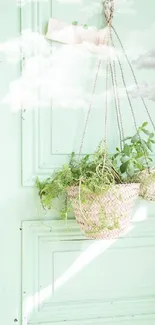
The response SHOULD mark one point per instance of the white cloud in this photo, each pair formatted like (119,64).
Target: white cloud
(31,44)
(147,89)
(54,75)
(144,90)
(28,44)
(57,79)
(146,60)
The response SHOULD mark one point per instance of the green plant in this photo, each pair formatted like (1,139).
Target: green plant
(94,172)
(136,153)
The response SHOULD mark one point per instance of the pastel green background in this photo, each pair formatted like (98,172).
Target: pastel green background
(125,273)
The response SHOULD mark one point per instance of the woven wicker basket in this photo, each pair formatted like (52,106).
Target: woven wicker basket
(147,184)
(105,216)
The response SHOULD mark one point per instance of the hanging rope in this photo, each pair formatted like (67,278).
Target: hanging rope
(92,96)
(101,213)
(108,10)
(135,79)
(116,104)
(127,93)
(130,104)
(115,85)
(106,103)
(117,93)
(83,213)
(90,106)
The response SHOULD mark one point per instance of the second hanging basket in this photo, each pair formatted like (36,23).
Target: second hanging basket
(107,215)
(147,184)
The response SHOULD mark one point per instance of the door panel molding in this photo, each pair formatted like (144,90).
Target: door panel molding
(59,282)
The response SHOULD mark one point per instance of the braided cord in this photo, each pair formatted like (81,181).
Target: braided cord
(130,104)
(134,76)
(117,93)
(90,106)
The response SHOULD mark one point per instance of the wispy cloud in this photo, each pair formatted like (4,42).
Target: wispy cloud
(50,72)
(146,60)
(28,44)
(31,44)
(144,90)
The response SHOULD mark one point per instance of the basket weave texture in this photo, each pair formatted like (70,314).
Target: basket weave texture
(147,184)
(104,216)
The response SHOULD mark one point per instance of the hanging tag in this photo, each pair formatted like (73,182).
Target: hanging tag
(74,34)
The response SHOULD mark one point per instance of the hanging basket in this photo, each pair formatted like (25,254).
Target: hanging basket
(104,216)
(147,184)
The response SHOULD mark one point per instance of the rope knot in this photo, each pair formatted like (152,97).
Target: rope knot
(108,10)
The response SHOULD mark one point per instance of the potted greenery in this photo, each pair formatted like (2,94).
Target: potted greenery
(101,199)
(135,160)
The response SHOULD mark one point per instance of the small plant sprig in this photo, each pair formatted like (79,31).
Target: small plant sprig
(136,153)
(75,23)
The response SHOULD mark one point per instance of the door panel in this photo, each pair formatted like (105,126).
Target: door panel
(53,130)
(67,278)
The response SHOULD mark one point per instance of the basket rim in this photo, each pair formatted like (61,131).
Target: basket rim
(114,185)
(133,187)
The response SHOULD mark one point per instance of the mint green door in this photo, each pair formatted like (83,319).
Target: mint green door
(48,275)
(72,279)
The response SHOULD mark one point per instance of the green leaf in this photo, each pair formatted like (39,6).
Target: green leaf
(152,135)
(144,145)
(127,138)
(144,124)
(139,155)
(135,138)
(131,169)
(149,146)
(75,22)
(85,159)
(126,150)
(124,159)
(116,155)
(124,166)
(153,141)
(139,166)
(146,131)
